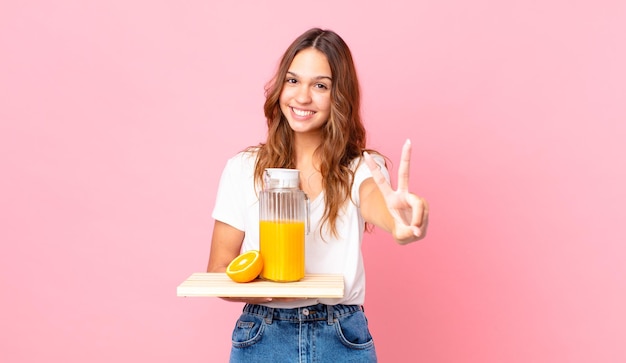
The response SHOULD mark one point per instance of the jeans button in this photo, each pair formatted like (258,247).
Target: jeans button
(305,311)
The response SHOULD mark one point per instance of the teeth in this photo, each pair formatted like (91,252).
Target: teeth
(302,113)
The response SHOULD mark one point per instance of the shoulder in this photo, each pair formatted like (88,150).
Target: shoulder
(243,160)
(362,172)
(358,164)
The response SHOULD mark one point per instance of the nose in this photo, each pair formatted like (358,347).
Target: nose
(303,94)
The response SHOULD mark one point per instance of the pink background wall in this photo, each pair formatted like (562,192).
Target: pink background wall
(117,117)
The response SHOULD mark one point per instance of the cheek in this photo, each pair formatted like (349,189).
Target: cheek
(323,102)
(285,95)
(282,102)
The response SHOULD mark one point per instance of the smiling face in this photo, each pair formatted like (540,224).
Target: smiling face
(305,97)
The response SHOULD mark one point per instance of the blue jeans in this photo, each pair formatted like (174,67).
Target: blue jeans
(317,333)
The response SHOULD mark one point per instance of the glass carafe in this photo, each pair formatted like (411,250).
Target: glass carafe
(284,213)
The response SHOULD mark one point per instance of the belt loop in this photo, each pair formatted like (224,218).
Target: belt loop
(330,312)
(269,315)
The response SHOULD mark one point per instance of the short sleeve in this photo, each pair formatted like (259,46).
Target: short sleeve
(230,205)
(362,173)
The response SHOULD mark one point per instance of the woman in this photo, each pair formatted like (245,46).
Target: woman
(314,125)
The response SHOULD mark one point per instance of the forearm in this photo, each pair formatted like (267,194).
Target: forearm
(375,211)
(225,246)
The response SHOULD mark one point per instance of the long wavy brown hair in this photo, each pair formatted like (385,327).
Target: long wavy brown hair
(344,136)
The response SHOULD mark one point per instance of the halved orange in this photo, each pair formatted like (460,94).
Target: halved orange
(245,267)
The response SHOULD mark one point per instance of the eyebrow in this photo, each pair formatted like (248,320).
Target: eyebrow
(315,78)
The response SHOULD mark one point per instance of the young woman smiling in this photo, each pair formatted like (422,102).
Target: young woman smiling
(314,124)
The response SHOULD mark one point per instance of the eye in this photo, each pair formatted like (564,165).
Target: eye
(321,86)
(291,80)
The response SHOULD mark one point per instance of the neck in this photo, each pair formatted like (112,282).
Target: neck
(304,148)
(308,162)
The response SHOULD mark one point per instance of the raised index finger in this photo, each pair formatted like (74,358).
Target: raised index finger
(403,168)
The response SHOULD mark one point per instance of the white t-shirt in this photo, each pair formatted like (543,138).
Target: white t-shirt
(237,205)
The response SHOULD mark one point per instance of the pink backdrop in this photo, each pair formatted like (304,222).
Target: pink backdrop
(117,117)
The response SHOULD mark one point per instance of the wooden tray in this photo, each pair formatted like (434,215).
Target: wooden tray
(218,284)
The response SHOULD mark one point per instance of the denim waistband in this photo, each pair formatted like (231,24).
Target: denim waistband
(305,313)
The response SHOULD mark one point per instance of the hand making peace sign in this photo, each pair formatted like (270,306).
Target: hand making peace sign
(409,211)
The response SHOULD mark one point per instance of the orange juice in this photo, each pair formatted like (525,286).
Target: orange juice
(282,250)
